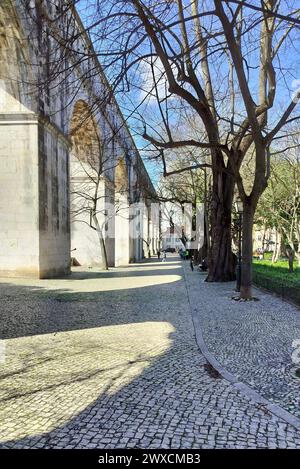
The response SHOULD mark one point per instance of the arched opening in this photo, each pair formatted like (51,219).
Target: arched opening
(122,241)
(85,135)
(87,189)
(18,85)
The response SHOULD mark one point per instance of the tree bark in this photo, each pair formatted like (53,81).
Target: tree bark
(291,257)
(263,242)
(297,254)
(221,261)
(203,252)
(247,251)
(277,248)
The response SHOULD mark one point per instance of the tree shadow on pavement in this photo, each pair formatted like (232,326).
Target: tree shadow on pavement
(106,369)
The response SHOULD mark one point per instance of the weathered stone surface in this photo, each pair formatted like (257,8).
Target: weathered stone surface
(37,139)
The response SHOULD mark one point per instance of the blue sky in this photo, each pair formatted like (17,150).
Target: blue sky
(285,82)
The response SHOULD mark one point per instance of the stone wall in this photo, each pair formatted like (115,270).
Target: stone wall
(19,197)
(54,218)
(35,145)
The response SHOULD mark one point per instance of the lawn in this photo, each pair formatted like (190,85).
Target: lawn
(277,278)
(277,271)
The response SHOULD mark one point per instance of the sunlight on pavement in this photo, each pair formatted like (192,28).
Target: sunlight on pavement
(48,379)
(155,265)
(97,281)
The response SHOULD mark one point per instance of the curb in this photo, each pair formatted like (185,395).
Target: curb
(272,293)
(243,388)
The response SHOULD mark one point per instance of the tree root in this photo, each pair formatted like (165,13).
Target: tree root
(238,298)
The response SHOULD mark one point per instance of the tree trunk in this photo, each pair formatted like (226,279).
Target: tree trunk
(263,242)
(297,254)
(298,242)
(202,253)
(221,261)
(291,257)
(101,243)
(247,251)
(277,248)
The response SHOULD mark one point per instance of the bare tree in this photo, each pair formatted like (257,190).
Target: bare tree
(92,182)
(184,187)
(224,62)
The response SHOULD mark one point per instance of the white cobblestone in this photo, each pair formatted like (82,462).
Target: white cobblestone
(110,361)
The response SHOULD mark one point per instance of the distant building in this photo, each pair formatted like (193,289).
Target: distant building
(171,240)
(264,239)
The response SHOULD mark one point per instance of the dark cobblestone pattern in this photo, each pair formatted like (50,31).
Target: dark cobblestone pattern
(252,340)
(112,362)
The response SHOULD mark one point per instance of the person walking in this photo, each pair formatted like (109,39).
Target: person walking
(164,259)
(191,264)
(158,254)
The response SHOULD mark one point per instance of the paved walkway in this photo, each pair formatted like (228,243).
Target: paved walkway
(110,360)
(253,341)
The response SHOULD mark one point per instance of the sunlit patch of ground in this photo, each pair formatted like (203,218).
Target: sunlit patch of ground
(48,379)
(95,280)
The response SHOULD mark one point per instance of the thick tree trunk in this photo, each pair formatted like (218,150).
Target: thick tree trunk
(247,251)
(202,253)
(221,261)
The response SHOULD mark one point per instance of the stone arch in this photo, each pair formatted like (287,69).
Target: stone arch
(88,187)
(16,71)
(121,180)
(85,134)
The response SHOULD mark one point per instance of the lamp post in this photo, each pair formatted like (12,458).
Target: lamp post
(239,210)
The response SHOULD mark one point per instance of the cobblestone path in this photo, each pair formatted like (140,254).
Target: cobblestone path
(110,360)
(252,340)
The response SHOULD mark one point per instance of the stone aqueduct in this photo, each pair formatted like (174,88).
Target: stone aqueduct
(54,129)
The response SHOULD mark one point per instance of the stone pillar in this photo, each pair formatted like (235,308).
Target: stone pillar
(110,223)
(34,198)
(85,243)
(122,232)
(54,202)
(19,195)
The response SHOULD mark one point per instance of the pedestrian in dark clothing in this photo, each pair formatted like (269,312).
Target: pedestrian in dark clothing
(204,265)
(158,254)
(191,264)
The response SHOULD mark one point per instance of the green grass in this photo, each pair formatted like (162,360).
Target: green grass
(278,272)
